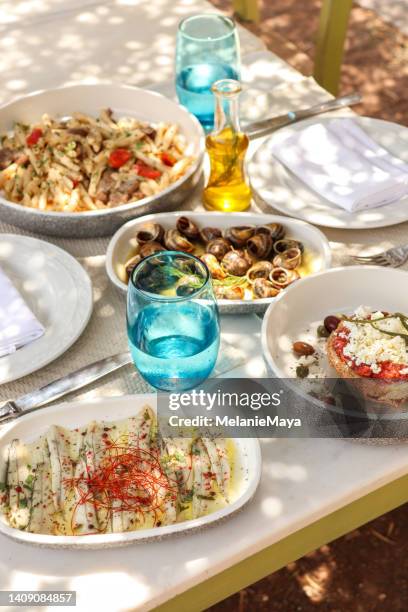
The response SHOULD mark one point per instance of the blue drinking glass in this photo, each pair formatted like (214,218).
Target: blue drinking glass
(172,320)
(207,50)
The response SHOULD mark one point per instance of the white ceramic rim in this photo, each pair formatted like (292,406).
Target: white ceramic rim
(129,205)
(325,252)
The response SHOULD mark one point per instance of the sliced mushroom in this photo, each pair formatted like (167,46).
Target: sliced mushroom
(288,243)
(281,277)
(149,248)
(289,259)
(132,263)
(150,232)
(214,266)
(187,227)
(260,245)
(174,241)
(239,236)
(263,288)
(275,230)
(261,269)
(218,247)
(210,233)
(235,263)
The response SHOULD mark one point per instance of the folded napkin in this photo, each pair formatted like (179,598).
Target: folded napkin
(18,325)
(339,161)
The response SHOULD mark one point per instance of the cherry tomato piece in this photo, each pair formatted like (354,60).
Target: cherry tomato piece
(34,137)
(168,159)
(119,157)
(147,171)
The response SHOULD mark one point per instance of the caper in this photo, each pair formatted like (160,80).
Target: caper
(331,323)
(302,371)
(303,349)
(322,332)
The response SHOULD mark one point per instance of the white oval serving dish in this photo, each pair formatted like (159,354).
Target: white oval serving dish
(90,99)
(77,414)
(123,242)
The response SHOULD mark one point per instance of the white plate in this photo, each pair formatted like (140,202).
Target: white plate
(295,314)
(58,291)
(90,99)
(123,242)
(283,191)
(78,414)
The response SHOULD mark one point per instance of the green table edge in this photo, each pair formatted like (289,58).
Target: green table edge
(289,549)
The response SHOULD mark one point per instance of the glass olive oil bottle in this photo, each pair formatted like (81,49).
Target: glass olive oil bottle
(227,189)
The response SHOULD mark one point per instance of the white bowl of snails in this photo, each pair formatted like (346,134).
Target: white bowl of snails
(124,251)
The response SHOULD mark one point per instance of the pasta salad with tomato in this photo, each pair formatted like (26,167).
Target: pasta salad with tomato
(83,163)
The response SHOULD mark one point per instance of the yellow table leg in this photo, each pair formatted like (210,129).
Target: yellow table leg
(334,19)
(291,548)
(247,10)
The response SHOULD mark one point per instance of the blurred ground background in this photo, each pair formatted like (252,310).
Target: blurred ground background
(366,570)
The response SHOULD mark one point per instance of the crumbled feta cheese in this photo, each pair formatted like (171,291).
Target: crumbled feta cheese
(362,312)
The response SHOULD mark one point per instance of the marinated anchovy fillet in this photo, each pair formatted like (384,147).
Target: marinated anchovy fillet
(111,477)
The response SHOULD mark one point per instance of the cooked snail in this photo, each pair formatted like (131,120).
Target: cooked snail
(210,233)
(288,243)
(174,241)
(235,262)
(132,263)
(187,227)
(149,248)
(281,277)
(234,293)
(261,269)
(150,232)
(275,230)
(214,266)
(260,245)
(289,259)
(218,247)
(263,288)
(238,236)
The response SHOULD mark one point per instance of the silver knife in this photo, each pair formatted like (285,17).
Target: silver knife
(63,386)
(264,127)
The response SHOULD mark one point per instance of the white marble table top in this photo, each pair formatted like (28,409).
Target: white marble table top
(49,43)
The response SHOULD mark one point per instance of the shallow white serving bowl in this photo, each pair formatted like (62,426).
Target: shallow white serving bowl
(78,414)
(124,101)
(123,242)
(295,314)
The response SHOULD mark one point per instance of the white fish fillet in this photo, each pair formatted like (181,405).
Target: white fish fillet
(217,452)
(19,495)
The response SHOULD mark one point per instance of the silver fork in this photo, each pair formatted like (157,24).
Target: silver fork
(393,258)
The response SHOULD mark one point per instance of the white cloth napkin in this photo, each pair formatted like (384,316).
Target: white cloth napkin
(18,325)
(339,161)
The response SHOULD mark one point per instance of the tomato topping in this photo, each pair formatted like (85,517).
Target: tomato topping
(75,183)
(119,157)
(168,159)
(147,171)
(34,137)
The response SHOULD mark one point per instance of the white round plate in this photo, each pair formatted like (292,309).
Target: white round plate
(58,291)
(123,242)
(78,414)
(283,191)
(125,101)
(295,314)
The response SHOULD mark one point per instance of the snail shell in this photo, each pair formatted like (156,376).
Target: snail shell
(132,263)
(235,263)
(260,245)
(218,247)
(238,236)
(288,243)
(263,288)
(187,227)
(289,259)
(149,248)
(210,233)
(275,230)
(150,232)
(281,277)
(261,269)
(174,241)
(214,266)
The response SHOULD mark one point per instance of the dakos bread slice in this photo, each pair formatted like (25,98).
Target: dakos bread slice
(388,392)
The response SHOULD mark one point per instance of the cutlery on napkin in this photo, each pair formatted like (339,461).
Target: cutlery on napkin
(342,163)
(18,325)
